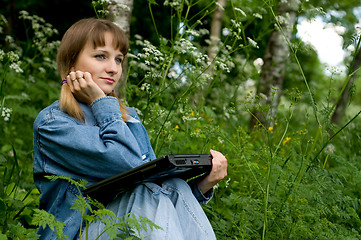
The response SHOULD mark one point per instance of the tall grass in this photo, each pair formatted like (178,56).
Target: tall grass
(293,180)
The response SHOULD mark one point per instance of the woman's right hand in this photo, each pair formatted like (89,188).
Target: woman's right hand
(83,87)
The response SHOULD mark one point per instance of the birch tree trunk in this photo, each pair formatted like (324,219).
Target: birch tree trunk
(120,12)
(215,32)
(275,58)
(215,38)
(345,97)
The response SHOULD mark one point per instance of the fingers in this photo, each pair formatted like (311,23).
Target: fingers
(218,172)
(218,158)
(83,86)
(74,80)
(88,76)
(219,168)
(79,80)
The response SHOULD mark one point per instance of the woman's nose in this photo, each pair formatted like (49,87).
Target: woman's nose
(112,67)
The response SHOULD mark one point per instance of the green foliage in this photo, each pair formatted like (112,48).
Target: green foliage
(43,218)
(293,179)
(17,200)
(128,227)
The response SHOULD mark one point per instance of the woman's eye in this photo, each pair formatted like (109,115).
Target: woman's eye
(100,56)
(118,60)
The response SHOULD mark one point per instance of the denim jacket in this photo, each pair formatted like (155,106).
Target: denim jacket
(101,147)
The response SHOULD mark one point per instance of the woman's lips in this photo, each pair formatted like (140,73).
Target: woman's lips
(109,80)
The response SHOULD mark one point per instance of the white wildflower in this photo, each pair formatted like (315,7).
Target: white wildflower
(23,13)
(3,19)
(281,19)
(174,3)
(241,11)
(121,6)
(12,56)
(193,32)
(172,73)
(145,87)
(227,182)
(6,113)
(252,42)
(11,154)
(31,79)
(225,32)
(258,63)
(222,66)
(139,112)
(2,55)
(189,118)
(139,37)
(263,96)
(220,6)
(9,39)
(16,67)
(42,70)
(196,133)
(330,148)
(25,95)
(257,15)
(183,79)
(235,23)
(203,31)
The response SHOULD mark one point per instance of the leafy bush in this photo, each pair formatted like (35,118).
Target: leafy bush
(294,179)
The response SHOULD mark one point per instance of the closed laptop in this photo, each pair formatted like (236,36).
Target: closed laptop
(183,166)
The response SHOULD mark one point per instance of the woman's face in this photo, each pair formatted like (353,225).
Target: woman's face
(103,63)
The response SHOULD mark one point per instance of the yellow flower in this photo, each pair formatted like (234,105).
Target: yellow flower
(286,140)
(270,128)
(176,127)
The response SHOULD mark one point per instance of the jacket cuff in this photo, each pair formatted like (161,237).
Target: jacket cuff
(202,198)
(106,109)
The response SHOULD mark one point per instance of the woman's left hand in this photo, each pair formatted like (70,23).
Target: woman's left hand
(218,172)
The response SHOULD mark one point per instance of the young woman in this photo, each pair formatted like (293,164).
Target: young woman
(89,134)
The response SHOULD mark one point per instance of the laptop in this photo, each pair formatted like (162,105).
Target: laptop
(183,166)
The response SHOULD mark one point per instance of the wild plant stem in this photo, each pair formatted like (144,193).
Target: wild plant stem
(162,83)
(348,77)
(266,194)
(299,66)
(155,142)
(237,148)
(151,15)
(332,137)
(284,134)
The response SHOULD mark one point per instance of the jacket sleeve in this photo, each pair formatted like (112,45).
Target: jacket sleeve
(91,152)
(201,198)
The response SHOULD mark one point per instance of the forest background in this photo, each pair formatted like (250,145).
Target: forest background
(229,75)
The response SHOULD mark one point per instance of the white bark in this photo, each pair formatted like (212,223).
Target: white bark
(275,59)
(120,12)
(216,27)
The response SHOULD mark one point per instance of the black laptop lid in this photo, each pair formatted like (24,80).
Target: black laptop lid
(184,166)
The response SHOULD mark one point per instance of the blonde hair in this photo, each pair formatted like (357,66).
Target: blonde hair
(74,40)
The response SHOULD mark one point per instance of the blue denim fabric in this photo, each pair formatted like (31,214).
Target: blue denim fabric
(101,147)
(170,205)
